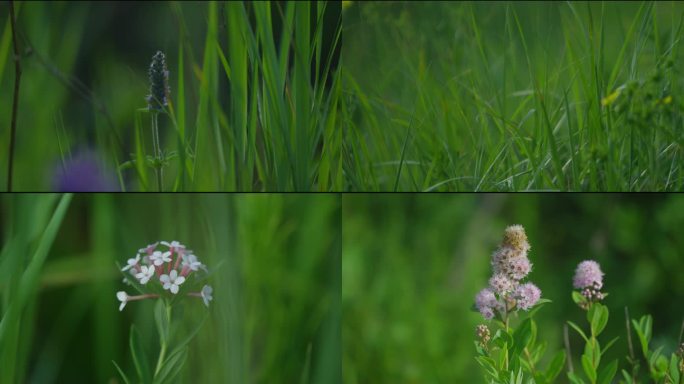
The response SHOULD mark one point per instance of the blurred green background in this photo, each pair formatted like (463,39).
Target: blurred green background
(412,265)
(275,317)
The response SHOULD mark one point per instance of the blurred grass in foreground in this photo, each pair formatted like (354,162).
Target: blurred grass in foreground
(412,265)
(275,317)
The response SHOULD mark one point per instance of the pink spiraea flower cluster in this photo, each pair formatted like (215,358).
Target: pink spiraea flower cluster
(164,271)
(507,291)
(589,280)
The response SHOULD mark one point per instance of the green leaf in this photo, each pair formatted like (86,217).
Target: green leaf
(123,375)
(489,365)
(555,367)
(610,344)
(592,350)
(172,366)
(588,368)
(522,335)
(627,376)
(139,356)
(578,298)
(161,318)
(579,330)
(501,337)
(574,379)
(598,318)
(608,372)
(674,368)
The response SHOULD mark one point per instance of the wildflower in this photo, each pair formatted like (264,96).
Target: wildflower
(501,284)
(588,274)
(190,261)
(172,281)
(527,295)
(608,100)
(159,83)
(667,100)
(482,332)
(159,258)
(506,291)
(589,280)
(84,173)
(131,263)
(173,246)
(206,294)
(145,274)
(515,237)
(148,249)
(123,298)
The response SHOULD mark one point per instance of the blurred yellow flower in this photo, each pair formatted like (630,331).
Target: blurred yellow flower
(667,100)
(608,100)
(346,4)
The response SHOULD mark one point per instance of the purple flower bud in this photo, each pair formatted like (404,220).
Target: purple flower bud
(588,274)
(527,295)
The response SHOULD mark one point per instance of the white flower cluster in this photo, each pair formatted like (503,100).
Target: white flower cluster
(171,266)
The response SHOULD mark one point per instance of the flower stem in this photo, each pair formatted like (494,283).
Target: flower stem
(157,150)
(163,343)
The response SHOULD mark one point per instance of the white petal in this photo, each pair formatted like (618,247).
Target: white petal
(168,285)
(122,296)
(179,280)
(121,307)
(126,268)
(173,275)
(174,288)
(164,279)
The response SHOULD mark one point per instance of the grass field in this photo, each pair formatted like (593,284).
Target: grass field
(519,96)
(412,264)
(275,264)
(252,107)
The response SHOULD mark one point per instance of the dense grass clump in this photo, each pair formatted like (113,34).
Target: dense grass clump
(454,96)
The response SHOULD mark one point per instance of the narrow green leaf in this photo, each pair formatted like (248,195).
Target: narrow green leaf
(123,375)
(162,320)
(608,372)
(139,356)
(171,367)
(555,366)
(579,330)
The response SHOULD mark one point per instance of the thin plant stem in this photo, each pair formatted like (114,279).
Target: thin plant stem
(157,151)
(631,347)
(163,343)
(15,98)
(566,338)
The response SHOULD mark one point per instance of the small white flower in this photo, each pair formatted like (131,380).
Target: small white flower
(172,281)
(206,294)
(173,245)
(148,249)
(159,258)
(145,274)
(131,263)
(123,298)
(191,262)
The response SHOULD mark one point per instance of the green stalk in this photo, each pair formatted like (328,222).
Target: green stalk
(157,150)
(163,343)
